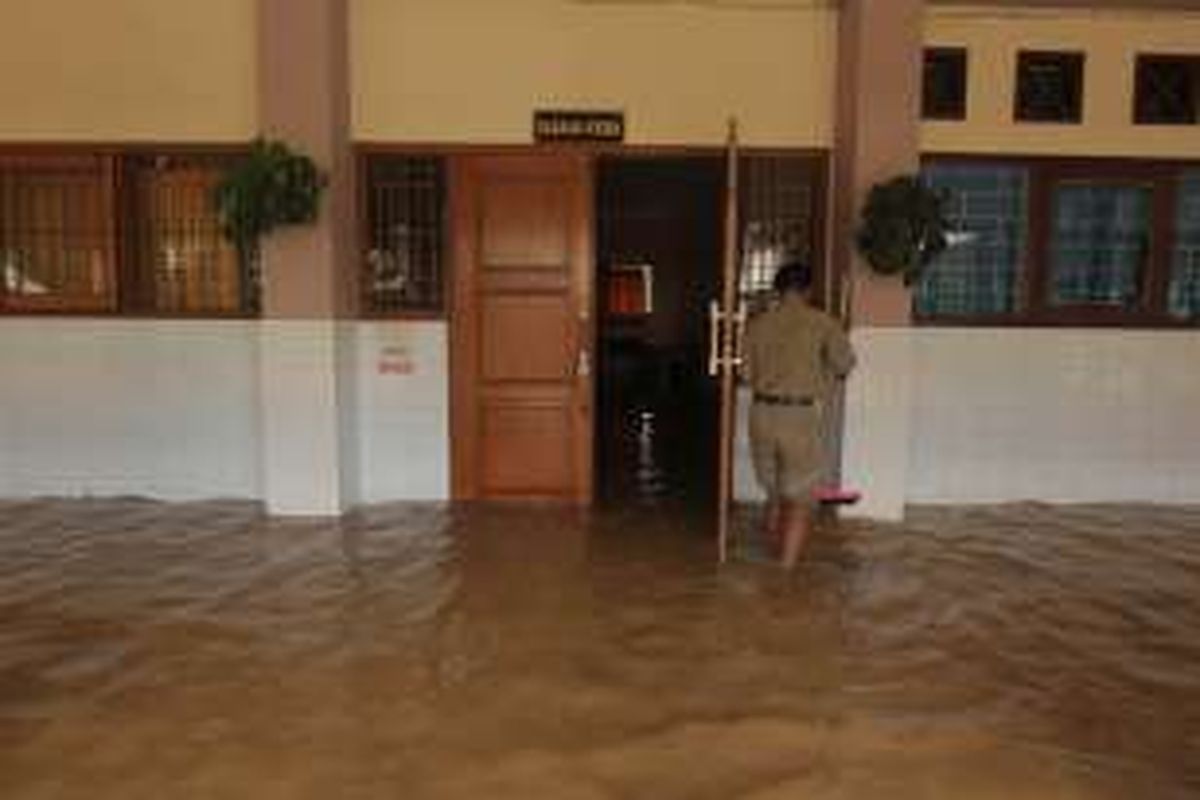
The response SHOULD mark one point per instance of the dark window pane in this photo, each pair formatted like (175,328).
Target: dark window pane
(1100,243)
(404,259)
(944,89)
(1185,263)
(1049,87)
(1166,90)
(980,272)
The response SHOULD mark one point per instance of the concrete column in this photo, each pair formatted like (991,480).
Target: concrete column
(877,137)
(306,355)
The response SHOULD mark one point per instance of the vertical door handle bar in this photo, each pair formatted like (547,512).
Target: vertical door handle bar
(714,338)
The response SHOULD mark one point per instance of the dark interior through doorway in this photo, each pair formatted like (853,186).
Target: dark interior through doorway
(659,237)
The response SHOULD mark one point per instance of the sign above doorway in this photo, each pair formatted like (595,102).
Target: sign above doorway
(578,126)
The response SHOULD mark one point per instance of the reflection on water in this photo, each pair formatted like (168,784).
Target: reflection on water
(426,652)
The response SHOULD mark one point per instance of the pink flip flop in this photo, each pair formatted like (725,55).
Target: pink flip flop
(836,496)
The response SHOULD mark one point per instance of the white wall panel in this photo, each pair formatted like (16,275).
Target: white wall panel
(164,409)
(349,411)
(875,454)
(404,411)
(745,484)
(301,422)
(1055,415)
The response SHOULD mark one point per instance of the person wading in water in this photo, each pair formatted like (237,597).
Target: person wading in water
(795,355)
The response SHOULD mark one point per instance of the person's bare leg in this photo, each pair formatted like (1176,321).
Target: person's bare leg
(773,524)
(797,527)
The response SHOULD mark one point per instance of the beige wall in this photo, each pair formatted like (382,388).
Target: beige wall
(111,70)
(474,70)
(1111,39)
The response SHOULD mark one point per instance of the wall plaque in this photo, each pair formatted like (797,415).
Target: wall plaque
(578,126)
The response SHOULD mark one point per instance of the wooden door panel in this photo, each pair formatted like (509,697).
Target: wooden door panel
(525,223)
(511,280)
(523,273)
(528,450)
(527,338)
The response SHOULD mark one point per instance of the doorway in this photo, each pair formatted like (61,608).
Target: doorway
(658,255)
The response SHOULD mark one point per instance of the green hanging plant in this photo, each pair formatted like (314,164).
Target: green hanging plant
(903,228)
(271,186)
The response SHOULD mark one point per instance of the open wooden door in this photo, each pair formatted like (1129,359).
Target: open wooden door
(523,328)
(726,319)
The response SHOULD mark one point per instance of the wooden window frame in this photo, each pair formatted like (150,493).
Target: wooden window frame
(106,303)
(126,290)
(960,58)
(1143,62)
(1033,288)
(1077,61)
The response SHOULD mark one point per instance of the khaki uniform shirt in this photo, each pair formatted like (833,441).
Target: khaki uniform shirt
(795,350)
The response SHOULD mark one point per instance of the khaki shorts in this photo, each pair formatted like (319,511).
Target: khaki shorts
(786,446)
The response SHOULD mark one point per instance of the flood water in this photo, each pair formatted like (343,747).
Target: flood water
(200,651)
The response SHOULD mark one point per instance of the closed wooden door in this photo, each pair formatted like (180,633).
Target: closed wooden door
(523,328)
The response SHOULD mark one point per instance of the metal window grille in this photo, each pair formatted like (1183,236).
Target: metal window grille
(1050,87)
(1165,90)
(404,261)
(944,88)
(184,264)
(981,272)
(776,218)
(1184,300)
(56,233)
(1100,243)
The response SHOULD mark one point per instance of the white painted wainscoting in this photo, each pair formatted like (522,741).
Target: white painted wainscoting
(178,410)
(404,411)
(175,410)
(165,409)
(1055,415)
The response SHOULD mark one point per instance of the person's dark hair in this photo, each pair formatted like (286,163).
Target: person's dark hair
(794,276)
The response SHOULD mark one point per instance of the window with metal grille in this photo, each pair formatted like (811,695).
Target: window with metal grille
(778,204)
(1065,241)
(944,88)
(1184,298)
(1049,87)
(57,233)
(118,232)
(981,271)
(179,261)
(1165,90)
(1100,243)
(405,218)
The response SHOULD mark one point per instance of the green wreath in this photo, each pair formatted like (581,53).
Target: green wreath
(903,227)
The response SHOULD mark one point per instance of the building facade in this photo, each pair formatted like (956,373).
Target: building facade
(411,345)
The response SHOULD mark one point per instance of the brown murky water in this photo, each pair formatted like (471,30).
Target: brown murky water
(198,651)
